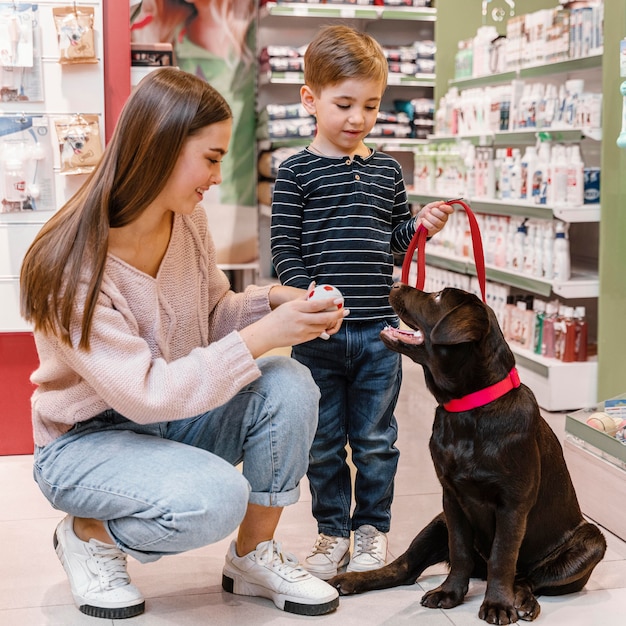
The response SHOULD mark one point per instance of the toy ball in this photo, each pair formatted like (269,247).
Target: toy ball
(322,292)
(604,423)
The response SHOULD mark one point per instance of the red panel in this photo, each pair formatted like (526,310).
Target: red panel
(116,45)
(18,360)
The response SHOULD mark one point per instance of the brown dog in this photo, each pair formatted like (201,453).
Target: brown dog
(510,513)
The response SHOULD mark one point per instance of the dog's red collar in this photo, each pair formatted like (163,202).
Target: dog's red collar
(484,396)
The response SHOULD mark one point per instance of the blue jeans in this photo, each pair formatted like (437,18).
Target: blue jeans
(360,380)
(169,487)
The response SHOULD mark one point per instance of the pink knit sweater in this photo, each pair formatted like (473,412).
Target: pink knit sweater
(162,348)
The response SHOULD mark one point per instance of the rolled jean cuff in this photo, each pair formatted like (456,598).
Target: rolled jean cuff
(283,498)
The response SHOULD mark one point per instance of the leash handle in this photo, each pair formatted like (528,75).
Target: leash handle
(418,242)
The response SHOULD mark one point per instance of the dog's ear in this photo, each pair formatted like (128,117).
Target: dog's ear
(466,322)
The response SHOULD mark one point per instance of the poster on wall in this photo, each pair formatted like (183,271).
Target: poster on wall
(215,40)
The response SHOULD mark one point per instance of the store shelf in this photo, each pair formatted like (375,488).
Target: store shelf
(557,386)
(351,11)
(533,71)
(526,136)
(596,458)
(588,213)
(297,78)
(583,284)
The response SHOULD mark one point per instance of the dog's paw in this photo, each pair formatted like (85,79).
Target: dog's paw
(347,584)
(498,613)
(440,599)
(526,604)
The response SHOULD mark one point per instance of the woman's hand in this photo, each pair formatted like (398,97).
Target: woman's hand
(293,321)
(434,216)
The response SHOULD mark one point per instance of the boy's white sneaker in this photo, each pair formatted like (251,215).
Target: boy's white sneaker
(268,572)
(370,549)
(329,554)
(97,573)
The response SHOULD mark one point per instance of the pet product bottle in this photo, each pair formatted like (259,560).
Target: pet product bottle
(558,186)
(527,166)
(540,314)
(548,335)
(506,174)
(581,333)
(568,336)
(519,245)
(562,269)
(575,178)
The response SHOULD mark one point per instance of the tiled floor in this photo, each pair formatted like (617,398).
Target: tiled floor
(186,590)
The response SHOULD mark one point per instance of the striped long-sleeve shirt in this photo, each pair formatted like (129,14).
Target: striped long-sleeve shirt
(339,221)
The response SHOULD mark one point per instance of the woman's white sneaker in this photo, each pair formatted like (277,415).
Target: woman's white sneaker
(370,549)
(97,573)
(329,554)
(268,572)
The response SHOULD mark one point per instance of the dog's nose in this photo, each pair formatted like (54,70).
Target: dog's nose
(396,285)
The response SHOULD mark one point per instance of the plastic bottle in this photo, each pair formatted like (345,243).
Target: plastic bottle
(562,269)
(548,339)
(470,172)
(516,175)
(527,167)
(537,246)
(548,253)
(529,249)
(581,333)
(575,178)
(519,243)
(501,243)
(14,181)
(540,314)
(541,175)
(559,176)
(568,335)
(506,186)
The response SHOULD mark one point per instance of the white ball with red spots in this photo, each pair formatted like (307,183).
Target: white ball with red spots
(326,291)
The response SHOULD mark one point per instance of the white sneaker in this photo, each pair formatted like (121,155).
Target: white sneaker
(268,572)
(97,573)
(329,554)
(370,549)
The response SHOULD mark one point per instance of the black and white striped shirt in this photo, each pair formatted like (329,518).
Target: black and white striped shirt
(339,221)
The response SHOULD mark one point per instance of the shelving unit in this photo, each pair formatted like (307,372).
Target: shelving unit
(557,385)
(595,458)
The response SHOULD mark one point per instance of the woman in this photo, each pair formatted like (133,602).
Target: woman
(149,390)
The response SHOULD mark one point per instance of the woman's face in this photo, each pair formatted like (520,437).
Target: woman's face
(197,168)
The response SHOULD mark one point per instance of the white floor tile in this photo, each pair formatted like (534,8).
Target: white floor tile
(186,590)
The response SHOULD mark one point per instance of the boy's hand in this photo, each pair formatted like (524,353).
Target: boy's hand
(434,216)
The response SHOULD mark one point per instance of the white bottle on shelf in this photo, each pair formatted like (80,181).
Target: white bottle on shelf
(506,172)
(562,267)
(527,167)
(548,252)
(575,178)
(559,176)
(541,175)
(519,247)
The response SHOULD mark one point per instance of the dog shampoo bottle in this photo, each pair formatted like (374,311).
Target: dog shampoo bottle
(581,333)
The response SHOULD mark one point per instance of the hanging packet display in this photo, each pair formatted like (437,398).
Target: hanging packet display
(75,34)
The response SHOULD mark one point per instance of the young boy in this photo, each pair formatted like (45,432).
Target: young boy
(339,214)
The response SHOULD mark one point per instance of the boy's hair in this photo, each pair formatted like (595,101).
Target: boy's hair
(340,52)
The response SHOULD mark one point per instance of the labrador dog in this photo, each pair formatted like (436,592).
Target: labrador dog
(510,513)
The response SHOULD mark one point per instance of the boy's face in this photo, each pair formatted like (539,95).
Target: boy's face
(345,112)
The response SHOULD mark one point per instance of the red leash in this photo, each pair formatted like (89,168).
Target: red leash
(419,242)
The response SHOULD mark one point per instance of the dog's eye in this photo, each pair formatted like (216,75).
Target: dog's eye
(438,297)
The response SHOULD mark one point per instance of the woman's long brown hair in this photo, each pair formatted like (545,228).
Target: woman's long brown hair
(166,108)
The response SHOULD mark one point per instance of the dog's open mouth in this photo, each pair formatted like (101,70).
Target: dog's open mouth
(409,336)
